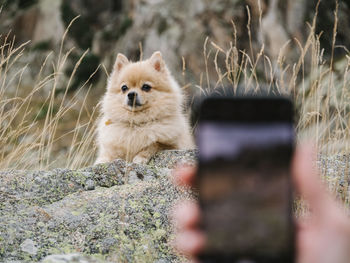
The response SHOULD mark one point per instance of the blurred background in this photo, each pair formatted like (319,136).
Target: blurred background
(56,55)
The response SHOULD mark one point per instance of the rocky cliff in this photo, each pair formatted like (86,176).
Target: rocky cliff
(176,28)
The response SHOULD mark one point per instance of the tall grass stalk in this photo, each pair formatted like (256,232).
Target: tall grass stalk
(316,82)
(29,140)
(318,86)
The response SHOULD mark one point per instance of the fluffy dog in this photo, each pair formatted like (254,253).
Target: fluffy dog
(142,112)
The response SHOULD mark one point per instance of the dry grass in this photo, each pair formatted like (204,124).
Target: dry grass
(31,136)
(318,86)
(32,123)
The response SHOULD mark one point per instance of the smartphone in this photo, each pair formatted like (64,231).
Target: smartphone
(245,192)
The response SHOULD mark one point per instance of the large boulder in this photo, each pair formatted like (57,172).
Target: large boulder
(116,211)
(113,212)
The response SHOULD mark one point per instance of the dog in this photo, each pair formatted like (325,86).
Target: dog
(142,112)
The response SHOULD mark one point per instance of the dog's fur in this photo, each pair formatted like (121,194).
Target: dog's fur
(153,121)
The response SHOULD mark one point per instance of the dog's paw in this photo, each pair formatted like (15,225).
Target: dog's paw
(140,159)
(102,160)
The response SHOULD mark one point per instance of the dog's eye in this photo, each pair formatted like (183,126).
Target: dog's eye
(124,88)
(146,87)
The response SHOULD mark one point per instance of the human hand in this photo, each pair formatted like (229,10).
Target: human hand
(322,237)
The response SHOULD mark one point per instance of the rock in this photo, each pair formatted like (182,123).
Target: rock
(29,246)
(274,38)
(90,184)
(334,170)
(49,25)
(169,159)
(117,211)
(76,258)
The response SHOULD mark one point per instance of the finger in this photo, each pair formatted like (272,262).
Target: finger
(184,176)
(186,215)
(305,242)
(307,181)
(190,242)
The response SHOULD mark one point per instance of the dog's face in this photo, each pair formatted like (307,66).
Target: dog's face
(135,96)
(143,88)
(138,88)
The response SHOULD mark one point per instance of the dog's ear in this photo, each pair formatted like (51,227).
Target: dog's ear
(120,62)
(157,61)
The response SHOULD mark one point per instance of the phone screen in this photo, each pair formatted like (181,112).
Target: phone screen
(244,182)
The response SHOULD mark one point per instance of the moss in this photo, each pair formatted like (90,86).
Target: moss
(41,224)
(114,34)
(102,166)
(162,26)
(88,66)
(63,248)
(2,246)
(98,256)
(79,176)
(42,46)
(79,30)
(126,222)
(76,213)
(24,4)
(125,25)
(13,7)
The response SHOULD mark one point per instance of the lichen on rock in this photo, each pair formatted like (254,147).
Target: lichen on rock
(116,212)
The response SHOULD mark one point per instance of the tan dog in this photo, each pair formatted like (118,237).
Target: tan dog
(142,112)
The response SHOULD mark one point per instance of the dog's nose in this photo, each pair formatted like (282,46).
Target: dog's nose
(132,95)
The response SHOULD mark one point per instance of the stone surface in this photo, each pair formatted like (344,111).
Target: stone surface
(114,212)
(76,258)
(117,212)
